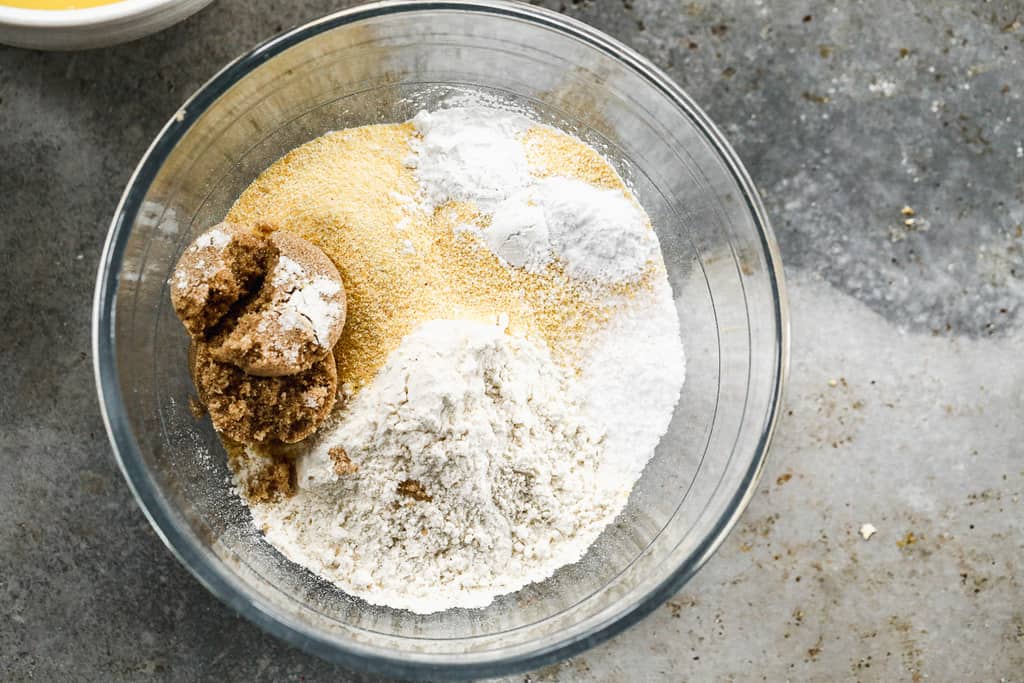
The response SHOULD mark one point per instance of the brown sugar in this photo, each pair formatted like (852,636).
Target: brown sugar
(295,318)
(196,407)
(269,302)
(262,477)
(262,410)
(273,481)
(411,488)
(342,463)
(221,267)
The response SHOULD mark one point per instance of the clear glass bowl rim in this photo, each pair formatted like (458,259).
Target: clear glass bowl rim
(146,491)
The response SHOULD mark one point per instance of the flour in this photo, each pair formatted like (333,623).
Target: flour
(491,431)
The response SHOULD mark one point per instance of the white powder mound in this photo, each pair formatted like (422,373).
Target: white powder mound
(474,154)
(469,154)
(518,233)
(598,233)
(490,428)
(307,302)
(631,381)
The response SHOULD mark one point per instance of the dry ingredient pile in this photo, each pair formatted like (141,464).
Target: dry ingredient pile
(509,360)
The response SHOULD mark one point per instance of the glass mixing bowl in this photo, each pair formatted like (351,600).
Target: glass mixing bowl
(382,63)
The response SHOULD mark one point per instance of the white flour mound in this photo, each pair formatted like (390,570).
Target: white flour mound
(492,430)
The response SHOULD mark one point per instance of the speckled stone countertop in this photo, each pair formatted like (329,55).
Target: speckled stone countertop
(904,408)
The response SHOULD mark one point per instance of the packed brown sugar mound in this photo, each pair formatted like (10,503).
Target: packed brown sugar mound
(268,302)
(264,410)
(223,266)
(295,319)
(264,309)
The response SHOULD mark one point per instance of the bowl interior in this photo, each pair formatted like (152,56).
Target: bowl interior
(383,64)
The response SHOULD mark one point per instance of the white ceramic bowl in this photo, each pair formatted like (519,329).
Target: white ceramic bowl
(79,29)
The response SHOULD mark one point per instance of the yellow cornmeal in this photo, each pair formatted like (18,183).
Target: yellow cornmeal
(553,153)
(350,193)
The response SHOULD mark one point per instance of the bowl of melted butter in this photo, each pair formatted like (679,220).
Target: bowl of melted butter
(83,24)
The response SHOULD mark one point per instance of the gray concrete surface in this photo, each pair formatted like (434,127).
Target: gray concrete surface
(907,386)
